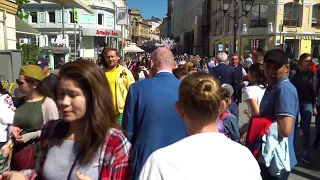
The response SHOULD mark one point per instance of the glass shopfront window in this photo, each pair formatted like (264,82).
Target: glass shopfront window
(315,51)
(291,47)
(258,44)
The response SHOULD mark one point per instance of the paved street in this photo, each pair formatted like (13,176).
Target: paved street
(302,171)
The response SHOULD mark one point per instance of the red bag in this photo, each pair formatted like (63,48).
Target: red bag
(313,67)
(23,158)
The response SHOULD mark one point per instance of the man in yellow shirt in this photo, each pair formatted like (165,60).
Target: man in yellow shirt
(119,77)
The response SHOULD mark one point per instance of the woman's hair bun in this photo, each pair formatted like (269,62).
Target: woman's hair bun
(206,86)
(205,90)
(200,96)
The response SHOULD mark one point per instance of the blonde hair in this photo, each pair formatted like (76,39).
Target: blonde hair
(200,96)
(189,66)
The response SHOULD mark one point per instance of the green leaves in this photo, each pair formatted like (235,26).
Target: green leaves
(21,13)
(30,53)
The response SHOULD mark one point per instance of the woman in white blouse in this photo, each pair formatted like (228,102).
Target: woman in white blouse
(253,93)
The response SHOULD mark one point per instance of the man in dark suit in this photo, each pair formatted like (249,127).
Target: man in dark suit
(239,73)
(225,73)
(149,117)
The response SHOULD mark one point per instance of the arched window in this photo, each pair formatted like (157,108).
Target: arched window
(259,16)
(291,15)
(316,16)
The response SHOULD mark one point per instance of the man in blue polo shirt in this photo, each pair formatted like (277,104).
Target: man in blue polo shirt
(281,102)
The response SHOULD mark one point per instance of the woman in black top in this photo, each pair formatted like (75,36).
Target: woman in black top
(304,81)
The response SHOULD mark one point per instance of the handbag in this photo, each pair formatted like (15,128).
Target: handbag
(23,157)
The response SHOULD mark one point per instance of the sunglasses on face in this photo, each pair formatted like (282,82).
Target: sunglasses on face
(19,82)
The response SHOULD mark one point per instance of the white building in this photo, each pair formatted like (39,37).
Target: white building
(62,40)
(155,30)
(8,10)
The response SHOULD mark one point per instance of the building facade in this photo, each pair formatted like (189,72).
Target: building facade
(8,11)
(61,38)
(140,28)
(189,25)
(164,28)
(155,29)
(293,24)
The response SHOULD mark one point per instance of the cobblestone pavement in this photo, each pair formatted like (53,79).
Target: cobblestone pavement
(301,171)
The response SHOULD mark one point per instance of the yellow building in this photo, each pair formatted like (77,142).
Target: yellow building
(260,29)
(140,28)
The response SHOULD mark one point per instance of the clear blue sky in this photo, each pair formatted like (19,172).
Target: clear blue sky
(157,8)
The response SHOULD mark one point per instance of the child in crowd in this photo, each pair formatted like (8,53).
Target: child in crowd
(232,107)
(230,122)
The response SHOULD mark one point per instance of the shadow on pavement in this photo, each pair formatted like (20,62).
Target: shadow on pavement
(305,175)
(306,170)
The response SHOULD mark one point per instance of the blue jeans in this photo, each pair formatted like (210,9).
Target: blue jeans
(305,123)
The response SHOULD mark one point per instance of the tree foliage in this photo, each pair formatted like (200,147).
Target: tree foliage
(30,53)
(21,13)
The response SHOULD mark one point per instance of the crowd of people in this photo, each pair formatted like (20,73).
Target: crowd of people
(160,117)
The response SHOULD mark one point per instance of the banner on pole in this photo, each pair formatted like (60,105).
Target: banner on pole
(122,16)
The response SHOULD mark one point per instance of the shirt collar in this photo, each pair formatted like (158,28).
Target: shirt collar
(164,71)
(279,82)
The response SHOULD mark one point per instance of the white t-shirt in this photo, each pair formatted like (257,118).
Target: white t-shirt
(202,156)
(7,112)
(141,76)
(253,92)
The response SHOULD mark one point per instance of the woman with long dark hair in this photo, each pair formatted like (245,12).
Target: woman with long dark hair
(87,142)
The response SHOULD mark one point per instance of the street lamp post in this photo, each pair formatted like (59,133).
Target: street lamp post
(246,8)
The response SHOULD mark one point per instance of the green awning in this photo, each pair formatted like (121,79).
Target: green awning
(24,28)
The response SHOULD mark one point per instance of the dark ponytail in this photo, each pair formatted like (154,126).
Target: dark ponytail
(257,71)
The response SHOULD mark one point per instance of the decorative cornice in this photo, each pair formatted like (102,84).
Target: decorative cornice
(8,6)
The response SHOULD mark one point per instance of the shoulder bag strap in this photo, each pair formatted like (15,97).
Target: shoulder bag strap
(73,165)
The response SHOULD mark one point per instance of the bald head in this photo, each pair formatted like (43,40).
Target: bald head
(162,59)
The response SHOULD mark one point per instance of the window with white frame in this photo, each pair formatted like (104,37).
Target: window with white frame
(42,17)
(52,17)
(100,19)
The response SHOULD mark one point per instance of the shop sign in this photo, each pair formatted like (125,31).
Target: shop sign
(306,37)
(106,33)
(59,42)
(100,32)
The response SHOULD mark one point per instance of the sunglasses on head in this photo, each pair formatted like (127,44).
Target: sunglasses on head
(19,82)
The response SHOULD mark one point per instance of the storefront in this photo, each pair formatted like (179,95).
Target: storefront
(225,41)
(297,44)
(95,39)
(57,51)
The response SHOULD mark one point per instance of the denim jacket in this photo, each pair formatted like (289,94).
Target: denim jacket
(275,151)
(231,127)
